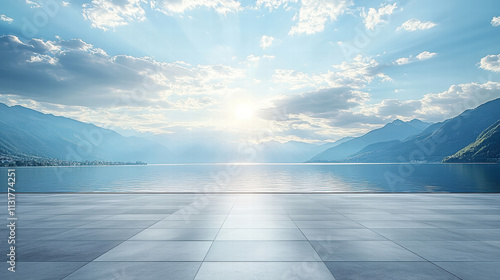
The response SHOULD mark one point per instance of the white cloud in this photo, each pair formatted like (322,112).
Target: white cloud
(335,98)
(375,17)
(6,19)
(355,74)
(394,108)
(65,4)
(402,60)
(180,6)
(436,107)
(358,73)
(490,63)
(76,44)
(274,4)
(32,4)
(41,58)
(495,21)
(299,80)
(105,14)
(194,103)
(318,103)
(415,24)
(425,55)
(314,14)
(421,56)
(266,41)
(254,60)
(455,100)
(76,73)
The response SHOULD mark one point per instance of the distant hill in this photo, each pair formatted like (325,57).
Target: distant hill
(329,145)
(210,150)
(439,140)
(396,130)
(365,155)
(26,132)
(486,148)
(291,151)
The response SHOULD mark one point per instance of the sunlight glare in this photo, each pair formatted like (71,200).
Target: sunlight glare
(243,112)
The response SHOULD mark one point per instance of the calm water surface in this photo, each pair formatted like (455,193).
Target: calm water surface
(260,178)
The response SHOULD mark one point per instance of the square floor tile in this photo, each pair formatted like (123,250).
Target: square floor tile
(137,217)
(52,224)
(263,271)
(453,250)
(95,234)
(315,217)
(328,224)
(119,224)
(40,270)
(195,217)
(388,271)
(259,224)
(63,251)
(340,234)
(188,224)
(258,217)
(177,234)
(472,270)
(480,234)
(160,251)
(395,224)
(362,251)
(420,234)
(31,234)
(136,270)
(262,251)
(260,234)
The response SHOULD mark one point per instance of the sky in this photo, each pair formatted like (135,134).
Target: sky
(284,70)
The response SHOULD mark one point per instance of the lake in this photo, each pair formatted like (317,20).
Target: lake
(478,178)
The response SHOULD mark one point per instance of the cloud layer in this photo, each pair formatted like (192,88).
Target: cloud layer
(421,56)
(415,24)
(105,14)
(495,21)
(314,14)
(109,14)
(76,73)
(374,17)
(266,41)
(6,19)
(490,63)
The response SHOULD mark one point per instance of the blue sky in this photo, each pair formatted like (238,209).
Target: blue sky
(308,70)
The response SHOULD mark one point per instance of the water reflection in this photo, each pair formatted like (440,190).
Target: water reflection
(261,178)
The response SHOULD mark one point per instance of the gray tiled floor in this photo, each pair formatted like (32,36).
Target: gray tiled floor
(256,236)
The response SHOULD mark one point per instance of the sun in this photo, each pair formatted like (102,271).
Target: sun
(243,112)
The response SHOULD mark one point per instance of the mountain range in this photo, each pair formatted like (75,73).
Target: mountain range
(486,148)
(474,130)
(396,130)
(473,136)
(26,132)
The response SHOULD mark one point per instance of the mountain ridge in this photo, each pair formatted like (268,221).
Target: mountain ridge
(439,140)
(26,132)
(486,148)
(395,130)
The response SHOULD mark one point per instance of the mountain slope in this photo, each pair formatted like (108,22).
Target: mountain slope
(26,132)
(365,154)
(486,148)
(439,140)
(397,130)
